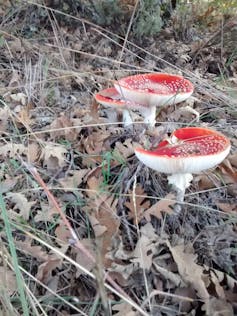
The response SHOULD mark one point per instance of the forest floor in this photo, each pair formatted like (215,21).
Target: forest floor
(107,241)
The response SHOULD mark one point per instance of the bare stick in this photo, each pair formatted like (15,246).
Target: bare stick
(128,31)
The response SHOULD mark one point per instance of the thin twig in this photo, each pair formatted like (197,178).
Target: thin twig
(127,33)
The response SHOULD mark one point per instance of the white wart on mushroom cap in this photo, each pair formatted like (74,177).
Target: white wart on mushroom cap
(154,89)
(191,150)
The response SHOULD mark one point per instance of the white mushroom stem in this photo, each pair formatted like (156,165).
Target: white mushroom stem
(180,182)
(127,120)
(149,114)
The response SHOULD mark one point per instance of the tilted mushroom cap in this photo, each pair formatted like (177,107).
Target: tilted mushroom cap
(191,150)
(155,89)
(110,97)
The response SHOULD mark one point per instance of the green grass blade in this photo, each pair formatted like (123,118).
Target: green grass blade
(19,278)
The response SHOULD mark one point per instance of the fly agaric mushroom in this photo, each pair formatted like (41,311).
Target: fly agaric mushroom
(189,150)
(111,98)
(154,89)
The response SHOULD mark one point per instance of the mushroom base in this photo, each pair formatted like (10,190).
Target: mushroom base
(180,181)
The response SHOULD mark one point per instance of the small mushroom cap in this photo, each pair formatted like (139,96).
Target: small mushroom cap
(155,89)
(110,97)
(190,150)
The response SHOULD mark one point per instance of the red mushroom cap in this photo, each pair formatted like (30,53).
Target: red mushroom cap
(191,150)
(110,97)
(154,89)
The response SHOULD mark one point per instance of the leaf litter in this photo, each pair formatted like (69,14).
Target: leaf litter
(180,264)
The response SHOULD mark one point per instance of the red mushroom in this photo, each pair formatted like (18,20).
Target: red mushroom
(189,150)
(154,89)
(111,98)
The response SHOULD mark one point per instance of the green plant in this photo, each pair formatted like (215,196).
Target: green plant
(113,13)
(108,158)
(148,20)
(15,262)
(107,11)
(223,7)
(190,14)
(106,166)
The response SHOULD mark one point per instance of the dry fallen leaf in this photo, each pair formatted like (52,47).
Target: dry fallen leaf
(190,272)
(228,170)
(226,207)
(95,193)
(143,252)
(54,156)
(19,97)
(32,250)
(74,178)
(205,183)
(11,150)
(218,288)
(64,128)
(4,116)
(8,283)
(63,234)
(107,218)
(44,273)
(95,142)
(163,205)
(101,209)
(23,116)
(218,307)
(8,184)
(33,152)
(99,229)
(169,275)
(125,270)
(118,278)
(224,277)
(233,160)
(82,259)
(125,149)
(45,213)
(185,306)
(123,309)
(21,204)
